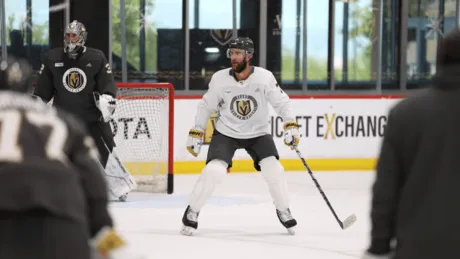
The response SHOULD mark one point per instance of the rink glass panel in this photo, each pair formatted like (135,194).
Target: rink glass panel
(157,52)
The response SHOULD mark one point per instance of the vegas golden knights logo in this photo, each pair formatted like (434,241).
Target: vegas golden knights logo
(223,37)
(243,107)
(210,126)
(74,80)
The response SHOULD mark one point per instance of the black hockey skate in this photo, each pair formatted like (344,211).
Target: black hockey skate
(123,197)
(190,221)
(287,220)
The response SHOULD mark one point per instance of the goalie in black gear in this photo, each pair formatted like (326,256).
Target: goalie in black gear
(81,82)
(53,195)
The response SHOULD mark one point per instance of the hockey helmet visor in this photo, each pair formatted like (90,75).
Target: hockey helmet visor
(240,47)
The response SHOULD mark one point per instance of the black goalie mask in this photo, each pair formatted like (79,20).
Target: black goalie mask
(74,38)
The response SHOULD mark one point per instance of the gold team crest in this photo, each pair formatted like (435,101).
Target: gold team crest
(74,80)
(243,107)
(223,37)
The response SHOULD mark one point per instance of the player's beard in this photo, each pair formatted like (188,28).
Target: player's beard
(238,67)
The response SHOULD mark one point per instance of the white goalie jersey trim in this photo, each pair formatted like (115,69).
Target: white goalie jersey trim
(242,107)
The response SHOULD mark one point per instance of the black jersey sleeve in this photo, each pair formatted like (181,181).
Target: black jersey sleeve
(105,84)
(45,87)
(84,156)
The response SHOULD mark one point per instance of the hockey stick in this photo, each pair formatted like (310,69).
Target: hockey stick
(343,224)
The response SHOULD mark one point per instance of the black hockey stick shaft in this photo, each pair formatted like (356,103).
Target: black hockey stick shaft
(120,164)
(318,187)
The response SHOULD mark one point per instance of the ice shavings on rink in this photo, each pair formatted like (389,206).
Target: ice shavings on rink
(239,221)
(149,201)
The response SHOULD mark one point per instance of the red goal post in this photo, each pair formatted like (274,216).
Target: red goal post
(143,127)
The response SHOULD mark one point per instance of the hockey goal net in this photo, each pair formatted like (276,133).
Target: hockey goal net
(143,131)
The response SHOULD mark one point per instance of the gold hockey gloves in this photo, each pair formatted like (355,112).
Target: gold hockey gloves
(194,141)
(291,133)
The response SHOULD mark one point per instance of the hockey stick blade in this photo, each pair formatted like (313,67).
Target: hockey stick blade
(348,221)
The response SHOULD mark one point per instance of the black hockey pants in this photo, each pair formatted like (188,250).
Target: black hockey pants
(39,235)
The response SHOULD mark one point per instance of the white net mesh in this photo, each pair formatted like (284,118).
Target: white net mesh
(141,133)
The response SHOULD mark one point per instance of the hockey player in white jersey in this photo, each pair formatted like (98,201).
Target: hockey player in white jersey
(240,96)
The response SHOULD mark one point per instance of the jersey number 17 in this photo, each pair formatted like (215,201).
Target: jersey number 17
(10,129)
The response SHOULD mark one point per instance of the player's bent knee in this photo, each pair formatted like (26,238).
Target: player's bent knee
(215,171)
(271,168)
(271,162)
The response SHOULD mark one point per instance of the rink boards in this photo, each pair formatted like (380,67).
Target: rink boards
(338,133)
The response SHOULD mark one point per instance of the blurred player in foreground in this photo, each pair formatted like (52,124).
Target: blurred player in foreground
(241,95)
(53,195)
(415,205)
(81,82)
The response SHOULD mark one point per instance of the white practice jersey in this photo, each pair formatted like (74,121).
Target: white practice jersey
(242,106)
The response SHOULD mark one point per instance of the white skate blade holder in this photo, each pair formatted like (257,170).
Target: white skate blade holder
(291,231)
(187,231)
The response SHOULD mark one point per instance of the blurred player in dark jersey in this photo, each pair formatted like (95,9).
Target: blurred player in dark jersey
(53,195)
(415,209)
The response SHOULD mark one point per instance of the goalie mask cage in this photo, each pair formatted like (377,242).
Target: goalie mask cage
(143,128)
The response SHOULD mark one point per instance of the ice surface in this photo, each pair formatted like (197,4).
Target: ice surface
(240,222)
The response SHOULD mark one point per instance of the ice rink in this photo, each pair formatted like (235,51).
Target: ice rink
(240,222)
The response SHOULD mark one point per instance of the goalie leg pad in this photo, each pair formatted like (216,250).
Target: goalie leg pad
(212,174)
(119,180)
(273,173)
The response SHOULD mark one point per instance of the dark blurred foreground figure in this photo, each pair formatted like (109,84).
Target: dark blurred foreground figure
(415,205)
(53,194)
